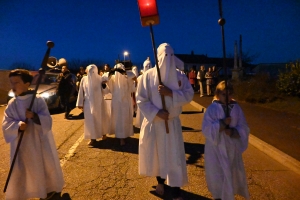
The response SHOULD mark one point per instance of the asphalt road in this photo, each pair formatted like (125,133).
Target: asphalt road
(109,171)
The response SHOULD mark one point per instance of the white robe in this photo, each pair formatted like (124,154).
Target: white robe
(224,168)
(107,98)
(162,154)
(121,123)
(139,115)
(37,168)
(95,121)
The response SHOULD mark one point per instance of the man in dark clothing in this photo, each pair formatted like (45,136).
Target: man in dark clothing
(201,79)
(65,88)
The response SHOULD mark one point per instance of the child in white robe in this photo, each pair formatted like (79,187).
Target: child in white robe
(91,100)
(162,154)
(37,172)
(226,138)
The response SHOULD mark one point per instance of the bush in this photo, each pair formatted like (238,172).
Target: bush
(289,81)
(257,89)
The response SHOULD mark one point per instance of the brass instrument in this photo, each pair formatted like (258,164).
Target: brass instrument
(54,63)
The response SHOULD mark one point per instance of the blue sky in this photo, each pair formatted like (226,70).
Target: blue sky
(103,29)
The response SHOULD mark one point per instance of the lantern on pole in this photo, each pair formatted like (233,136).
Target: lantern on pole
(149,16)
(148,12)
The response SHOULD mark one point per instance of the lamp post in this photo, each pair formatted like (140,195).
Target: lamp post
(149,16)
(125,54)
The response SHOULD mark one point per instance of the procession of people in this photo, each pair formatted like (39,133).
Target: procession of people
(109,101)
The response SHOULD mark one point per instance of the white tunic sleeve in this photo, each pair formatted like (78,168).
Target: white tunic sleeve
(185,93)
(211,124)
(10,126)
(143,99)
(13,117)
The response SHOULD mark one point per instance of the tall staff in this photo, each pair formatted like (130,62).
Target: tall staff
(149,16)
(221,22)
(21,133)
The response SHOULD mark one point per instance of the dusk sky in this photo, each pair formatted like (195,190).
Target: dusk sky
(103,29)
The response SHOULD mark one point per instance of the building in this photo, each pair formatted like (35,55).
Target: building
(193,60)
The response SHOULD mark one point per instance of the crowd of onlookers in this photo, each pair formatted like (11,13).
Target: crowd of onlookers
(202,78)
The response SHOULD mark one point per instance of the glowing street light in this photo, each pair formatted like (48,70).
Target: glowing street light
(125,54)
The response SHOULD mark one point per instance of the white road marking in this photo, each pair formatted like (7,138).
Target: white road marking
(71,151)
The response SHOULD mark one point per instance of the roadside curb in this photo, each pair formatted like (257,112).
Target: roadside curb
(271,151)
(198,106)
(276,154)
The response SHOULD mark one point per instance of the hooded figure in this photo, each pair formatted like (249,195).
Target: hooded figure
(147,64)
(135,71)
(162,154)
(90,98)
(121,87)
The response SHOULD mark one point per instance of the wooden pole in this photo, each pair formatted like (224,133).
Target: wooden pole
(158,73)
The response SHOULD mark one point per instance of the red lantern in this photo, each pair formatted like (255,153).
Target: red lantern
(148,12)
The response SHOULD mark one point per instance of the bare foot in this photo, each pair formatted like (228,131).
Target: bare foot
(160,190)
(122,142)
(104,137)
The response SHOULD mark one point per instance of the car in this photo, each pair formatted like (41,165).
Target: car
(47,89)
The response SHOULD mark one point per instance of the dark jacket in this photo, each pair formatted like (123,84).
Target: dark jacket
(65,84)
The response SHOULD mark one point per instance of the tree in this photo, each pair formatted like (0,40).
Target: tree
(289,81)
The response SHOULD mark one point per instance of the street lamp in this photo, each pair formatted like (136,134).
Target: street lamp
(125,54)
